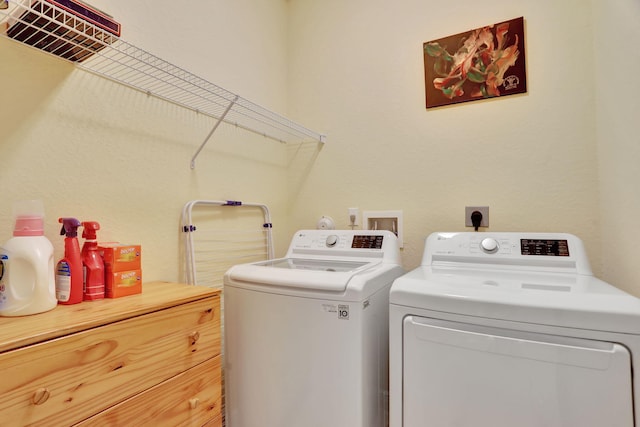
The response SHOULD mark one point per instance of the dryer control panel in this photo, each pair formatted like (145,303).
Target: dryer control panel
(544,247)
(548,251)
(535,247)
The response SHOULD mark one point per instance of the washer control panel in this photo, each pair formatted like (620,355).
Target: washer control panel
(355,241)
(367,242)
(377,244)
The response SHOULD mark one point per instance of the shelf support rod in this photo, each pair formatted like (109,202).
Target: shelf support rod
(215,126)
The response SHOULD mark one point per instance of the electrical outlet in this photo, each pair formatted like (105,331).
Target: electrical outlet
(484,210)
(353,216)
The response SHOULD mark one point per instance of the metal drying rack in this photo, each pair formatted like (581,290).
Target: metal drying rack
(45,26)
(228,232)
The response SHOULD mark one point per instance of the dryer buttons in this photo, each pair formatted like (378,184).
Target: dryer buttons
(489,245)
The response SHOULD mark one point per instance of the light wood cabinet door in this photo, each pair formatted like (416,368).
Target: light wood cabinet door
(65,380)
(188,399)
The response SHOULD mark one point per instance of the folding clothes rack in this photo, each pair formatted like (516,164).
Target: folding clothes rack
(221,233)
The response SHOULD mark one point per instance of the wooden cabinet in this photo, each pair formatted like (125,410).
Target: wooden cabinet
(148,359)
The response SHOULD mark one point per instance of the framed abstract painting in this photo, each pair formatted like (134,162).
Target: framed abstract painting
(483,63)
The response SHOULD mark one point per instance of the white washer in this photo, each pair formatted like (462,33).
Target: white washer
(306,336)
(511,329)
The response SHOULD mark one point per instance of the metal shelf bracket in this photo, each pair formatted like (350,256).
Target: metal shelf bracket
(215,126)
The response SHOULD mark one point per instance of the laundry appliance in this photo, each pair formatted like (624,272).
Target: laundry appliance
(511,329)
(306,336)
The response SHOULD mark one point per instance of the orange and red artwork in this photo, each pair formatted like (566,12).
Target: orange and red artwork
(482,63)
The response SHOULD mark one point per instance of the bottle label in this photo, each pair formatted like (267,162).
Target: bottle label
(3,260)
(63,281)
(4,264)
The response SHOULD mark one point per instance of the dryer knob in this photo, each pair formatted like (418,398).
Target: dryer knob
(489,245)
(331,241)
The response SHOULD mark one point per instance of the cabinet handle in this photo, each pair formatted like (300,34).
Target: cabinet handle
(40,396)
(194,337)
(193,403)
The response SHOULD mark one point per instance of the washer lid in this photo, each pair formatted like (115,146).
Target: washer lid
(565,300)
(318,274)
(314,264)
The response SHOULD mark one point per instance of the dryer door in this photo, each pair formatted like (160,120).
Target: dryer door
(457,374)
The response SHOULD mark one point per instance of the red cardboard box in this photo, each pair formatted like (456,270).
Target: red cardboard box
(118,257)
(122,283)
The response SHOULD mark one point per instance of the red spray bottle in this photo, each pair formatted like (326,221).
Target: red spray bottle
(69,268)
(92,264)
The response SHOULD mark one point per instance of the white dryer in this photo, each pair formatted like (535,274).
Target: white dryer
(306,336)
(511,329)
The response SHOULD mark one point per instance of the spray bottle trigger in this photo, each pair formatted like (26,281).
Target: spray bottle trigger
(69,226)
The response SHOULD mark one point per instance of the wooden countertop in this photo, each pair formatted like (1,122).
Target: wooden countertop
(20,331)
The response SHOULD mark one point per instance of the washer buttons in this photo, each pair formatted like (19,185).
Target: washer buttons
(331,241)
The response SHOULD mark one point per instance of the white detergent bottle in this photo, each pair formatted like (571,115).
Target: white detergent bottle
(27,279)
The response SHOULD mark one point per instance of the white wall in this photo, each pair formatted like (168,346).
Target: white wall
(357,72)
(560,158)
(96,150)
(615,32)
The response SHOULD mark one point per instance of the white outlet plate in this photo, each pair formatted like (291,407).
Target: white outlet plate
(484,210)
(384,220)
(356,213)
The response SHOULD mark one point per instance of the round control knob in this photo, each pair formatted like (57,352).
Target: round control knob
(489,245)
(331,241)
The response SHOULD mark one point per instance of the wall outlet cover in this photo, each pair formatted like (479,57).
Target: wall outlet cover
(355,212)
(484,210)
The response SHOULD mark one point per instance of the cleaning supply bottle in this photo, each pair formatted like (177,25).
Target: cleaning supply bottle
(69,268)
(27,283)
(92,264)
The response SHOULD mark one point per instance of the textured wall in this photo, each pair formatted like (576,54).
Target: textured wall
(96,150)
(618,109)
(358,71)
(560,158)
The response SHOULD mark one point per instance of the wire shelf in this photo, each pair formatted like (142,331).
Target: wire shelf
(46,26)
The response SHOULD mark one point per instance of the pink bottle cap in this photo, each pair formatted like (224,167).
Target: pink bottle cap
(29,225)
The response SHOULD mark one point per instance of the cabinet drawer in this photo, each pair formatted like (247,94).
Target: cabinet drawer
(66,380)
(188,399)
(216,422)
